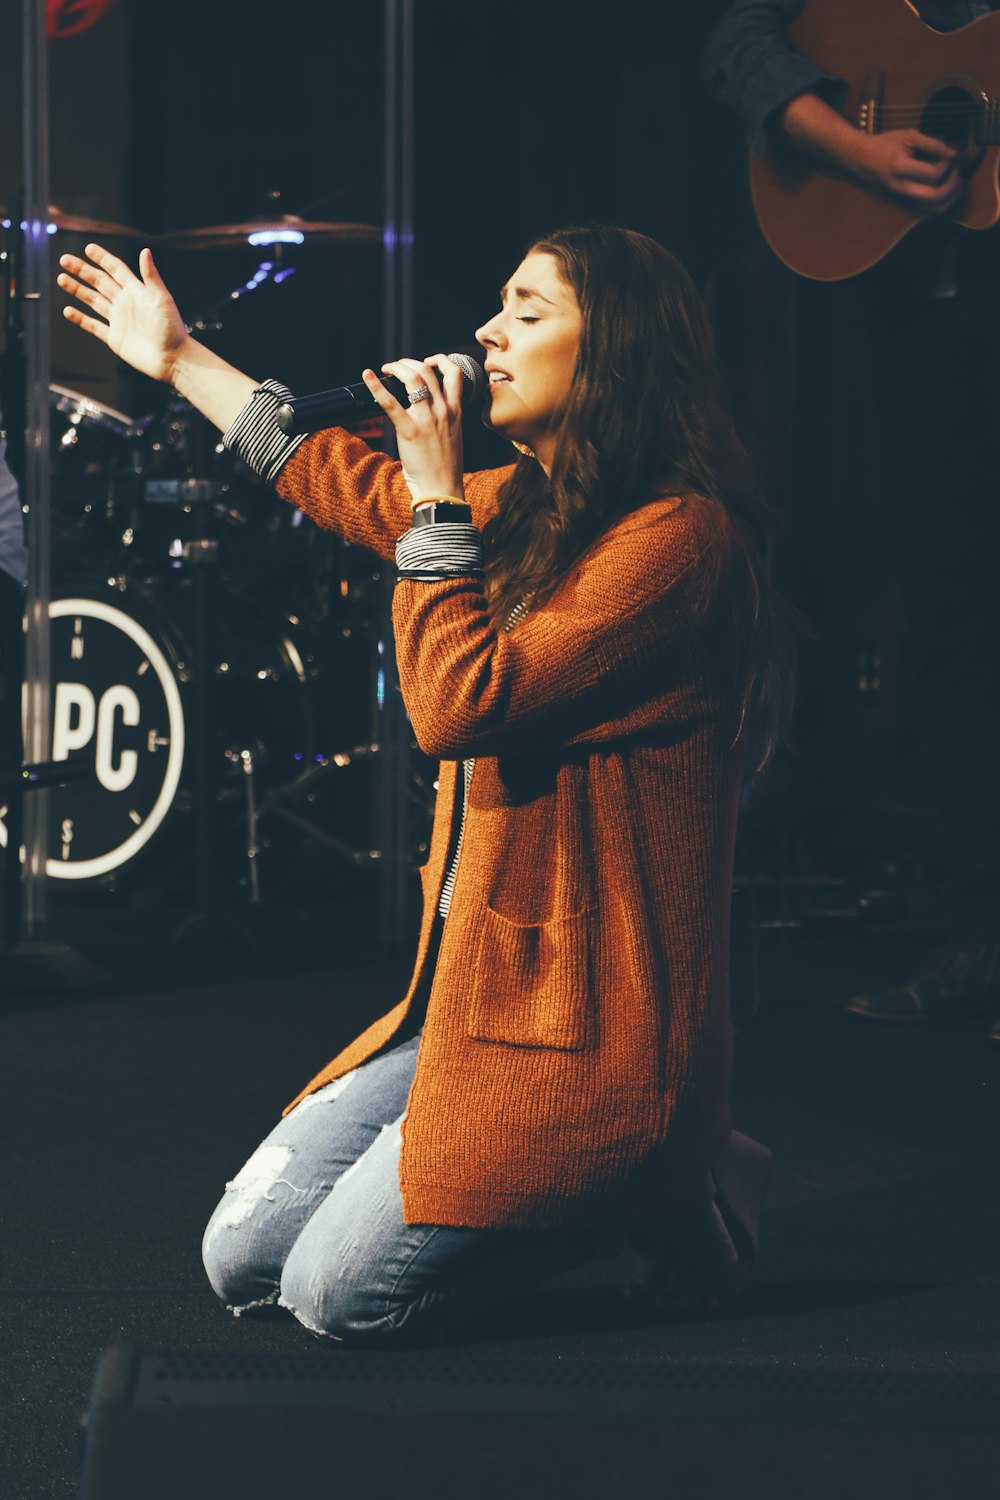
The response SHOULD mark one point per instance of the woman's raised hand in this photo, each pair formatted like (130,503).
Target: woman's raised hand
(137,319)
(429,432)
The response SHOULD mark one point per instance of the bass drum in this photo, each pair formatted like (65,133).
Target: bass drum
(123,668)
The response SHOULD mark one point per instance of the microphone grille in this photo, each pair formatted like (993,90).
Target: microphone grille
(475,376)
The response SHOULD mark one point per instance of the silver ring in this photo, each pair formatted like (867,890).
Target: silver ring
(420,394)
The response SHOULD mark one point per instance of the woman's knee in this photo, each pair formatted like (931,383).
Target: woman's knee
(329,1295)
(350,1298)
(232,1261)
(246,1239)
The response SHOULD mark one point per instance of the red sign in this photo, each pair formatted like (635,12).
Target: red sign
(68,17)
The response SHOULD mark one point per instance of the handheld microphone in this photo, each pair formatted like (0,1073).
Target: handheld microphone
(347,405)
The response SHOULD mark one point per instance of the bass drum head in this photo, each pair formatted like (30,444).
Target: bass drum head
(123,668)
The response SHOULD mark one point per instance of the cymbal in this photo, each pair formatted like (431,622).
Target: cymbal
(272,230)
(98,228)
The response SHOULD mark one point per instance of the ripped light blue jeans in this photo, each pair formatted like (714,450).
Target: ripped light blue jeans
(314,1223)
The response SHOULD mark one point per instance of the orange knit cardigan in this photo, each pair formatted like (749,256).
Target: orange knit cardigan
(576,1046)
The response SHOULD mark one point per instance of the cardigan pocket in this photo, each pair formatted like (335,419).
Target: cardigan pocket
(530,983)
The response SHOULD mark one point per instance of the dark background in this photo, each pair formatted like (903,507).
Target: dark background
(528,117)
(130,1103)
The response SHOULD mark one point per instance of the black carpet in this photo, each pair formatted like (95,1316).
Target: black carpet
(126,1108)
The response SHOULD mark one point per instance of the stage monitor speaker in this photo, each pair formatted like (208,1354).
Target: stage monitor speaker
(361,1425)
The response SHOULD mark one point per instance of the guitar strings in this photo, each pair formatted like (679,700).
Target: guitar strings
(897,115)
(933,109)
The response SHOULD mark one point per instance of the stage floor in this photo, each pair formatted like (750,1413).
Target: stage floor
(126,1108)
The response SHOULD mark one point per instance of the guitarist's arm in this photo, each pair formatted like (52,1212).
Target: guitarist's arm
(750,66)
(907,163)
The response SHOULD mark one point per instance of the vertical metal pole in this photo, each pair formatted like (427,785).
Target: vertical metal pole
(36,464)
(394,733)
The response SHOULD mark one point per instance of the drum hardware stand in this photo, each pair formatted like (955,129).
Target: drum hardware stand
(30,966)
(247,762)
(202,555)
(269,272)
(301,785)
(275,804)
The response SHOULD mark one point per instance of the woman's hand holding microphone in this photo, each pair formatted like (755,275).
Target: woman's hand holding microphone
(429,430)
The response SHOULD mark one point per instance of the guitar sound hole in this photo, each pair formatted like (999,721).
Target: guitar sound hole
(950,116)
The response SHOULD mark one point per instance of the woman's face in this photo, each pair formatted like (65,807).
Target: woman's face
(532,346)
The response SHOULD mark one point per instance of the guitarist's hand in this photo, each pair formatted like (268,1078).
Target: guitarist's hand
(924,171)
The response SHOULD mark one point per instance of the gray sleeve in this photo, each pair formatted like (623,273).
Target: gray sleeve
(448,549)
(255,436)
(750,66)
(13,555)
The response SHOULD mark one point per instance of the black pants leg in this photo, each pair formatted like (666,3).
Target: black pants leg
(938,384)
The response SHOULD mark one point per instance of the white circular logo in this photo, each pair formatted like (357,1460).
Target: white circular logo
(115,702)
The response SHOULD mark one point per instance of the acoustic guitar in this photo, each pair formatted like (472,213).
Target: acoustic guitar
(825,223)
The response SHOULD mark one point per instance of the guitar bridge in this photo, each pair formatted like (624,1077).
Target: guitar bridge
(871,103)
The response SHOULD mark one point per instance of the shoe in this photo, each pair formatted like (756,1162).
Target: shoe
(701,1259)
(962,982)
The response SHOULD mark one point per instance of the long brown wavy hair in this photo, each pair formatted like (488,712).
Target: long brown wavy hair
(647,416)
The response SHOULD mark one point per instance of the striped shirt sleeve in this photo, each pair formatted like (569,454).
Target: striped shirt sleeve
(448,549)
(255,436)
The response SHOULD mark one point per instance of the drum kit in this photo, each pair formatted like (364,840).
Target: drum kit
(216,655)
